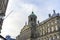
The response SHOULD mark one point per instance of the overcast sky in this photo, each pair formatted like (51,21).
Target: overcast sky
(21,9)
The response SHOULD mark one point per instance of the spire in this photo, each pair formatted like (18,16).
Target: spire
(25,23)
(32,15)
(49,15)
(32,12)
(58,14)
(54,11)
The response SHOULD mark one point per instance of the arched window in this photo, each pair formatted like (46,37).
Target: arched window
(48,30)
(56,27)
(52,29)
(31,19)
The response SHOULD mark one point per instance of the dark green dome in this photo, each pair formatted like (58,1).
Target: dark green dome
(32,15)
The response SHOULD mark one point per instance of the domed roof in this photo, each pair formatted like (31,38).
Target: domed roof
(32,15)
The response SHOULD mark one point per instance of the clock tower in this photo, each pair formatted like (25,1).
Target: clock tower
(32,24)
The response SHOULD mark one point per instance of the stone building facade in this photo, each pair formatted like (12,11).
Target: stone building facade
(48,29)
